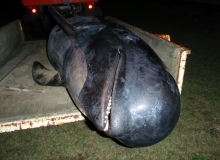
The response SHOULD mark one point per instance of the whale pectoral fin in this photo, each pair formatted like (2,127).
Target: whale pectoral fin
(45,77)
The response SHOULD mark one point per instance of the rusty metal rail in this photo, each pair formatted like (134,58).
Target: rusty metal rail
(40,122)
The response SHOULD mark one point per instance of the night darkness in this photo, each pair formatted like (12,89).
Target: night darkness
(10,10)
(204,14)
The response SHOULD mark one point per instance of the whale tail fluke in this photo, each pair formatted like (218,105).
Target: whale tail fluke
(45,77)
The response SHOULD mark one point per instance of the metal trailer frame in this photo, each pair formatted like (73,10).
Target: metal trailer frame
(25,105)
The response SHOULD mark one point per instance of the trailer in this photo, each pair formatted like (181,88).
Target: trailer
(25,104)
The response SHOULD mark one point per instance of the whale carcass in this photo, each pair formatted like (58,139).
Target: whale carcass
(115,79)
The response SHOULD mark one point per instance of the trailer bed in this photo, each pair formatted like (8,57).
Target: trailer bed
(25,104)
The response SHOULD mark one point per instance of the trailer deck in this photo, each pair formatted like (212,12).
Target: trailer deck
(25,104)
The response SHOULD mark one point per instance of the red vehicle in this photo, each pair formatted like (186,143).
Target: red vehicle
(68,8)
(35,11)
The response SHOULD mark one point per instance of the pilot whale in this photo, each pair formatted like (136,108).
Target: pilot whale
(115,79)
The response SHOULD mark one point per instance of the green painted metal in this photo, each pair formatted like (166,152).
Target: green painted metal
(11,35)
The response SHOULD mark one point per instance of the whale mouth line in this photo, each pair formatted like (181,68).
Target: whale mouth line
(107,114)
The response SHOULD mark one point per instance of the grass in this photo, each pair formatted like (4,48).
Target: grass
(197,134)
